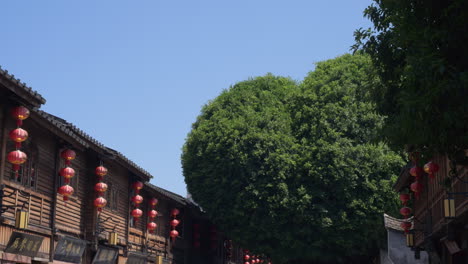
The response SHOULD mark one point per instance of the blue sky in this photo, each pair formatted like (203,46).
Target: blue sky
(135,74)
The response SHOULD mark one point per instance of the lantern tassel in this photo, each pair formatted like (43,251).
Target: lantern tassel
(19,122)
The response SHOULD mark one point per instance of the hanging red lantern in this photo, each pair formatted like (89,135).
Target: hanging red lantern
(100,202)
(137,186)
(67,173)
(151,226)
(65,191)
(175,212)
(173,234)
(101,171)
(405,211)
(404,198)
(417,188)
(137,199)
(246,257)
(100,188)
(406,226)
(17,157)
(416,171)
(137,213)
(152,213)
(153,202)
(20,113)
(174,222)
(18,135)
(431,168)
(246,262)
(68,155)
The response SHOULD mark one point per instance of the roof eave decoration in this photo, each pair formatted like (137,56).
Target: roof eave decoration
(27,95)
(168,194)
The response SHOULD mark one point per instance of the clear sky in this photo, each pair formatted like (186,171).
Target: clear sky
(134,74)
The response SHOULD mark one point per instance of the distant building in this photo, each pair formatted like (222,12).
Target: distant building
(397,252)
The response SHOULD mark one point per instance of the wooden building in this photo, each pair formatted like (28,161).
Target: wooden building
(440,213)
(37,225)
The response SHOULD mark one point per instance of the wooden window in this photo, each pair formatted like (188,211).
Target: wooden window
(27,174)
(111,196)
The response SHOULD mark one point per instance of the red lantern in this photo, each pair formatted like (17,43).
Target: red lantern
(68,155)
(101,171)
(416,171)
(406,226)
(417,188)
(246,262)
(174,222)
(137,213)
(18,135)
(404,198)
(153,202)
(100,202)
(151,226)
(137,199)
(152,213)
(174,234)
(405,211)
(246,257)
(137,186)
(20,113)
(67,173)
(100,188)
(65,190)
(17,157)
(175,212)
(431,168)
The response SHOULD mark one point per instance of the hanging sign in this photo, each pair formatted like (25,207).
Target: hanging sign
(106,255)
(134,258)
(70,249)
(24,244)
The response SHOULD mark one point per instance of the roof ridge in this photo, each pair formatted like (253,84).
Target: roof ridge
(23,85)
(70,127)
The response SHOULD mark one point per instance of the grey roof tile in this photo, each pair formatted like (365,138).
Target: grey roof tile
(22,85)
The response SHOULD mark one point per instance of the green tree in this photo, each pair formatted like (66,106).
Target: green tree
(419,49)
(296,171)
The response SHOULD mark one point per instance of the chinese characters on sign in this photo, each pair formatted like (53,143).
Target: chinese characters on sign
(70,249)
(24,244)
(105,255)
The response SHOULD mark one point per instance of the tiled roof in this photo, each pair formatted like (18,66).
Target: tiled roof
(178,198)
(394,223)
(22,86)
(83,138)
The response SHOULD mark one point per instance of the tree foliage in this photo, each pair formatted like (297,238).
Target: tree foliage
(419,49)
(296,171)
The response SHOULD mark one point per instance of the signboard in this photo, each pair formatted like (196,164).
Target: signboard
(106,255)
(24,244)
(70,249)
(134,258)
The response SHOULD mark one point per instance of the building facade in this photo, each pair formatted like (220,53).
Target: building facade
(41,222)
(439,207)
